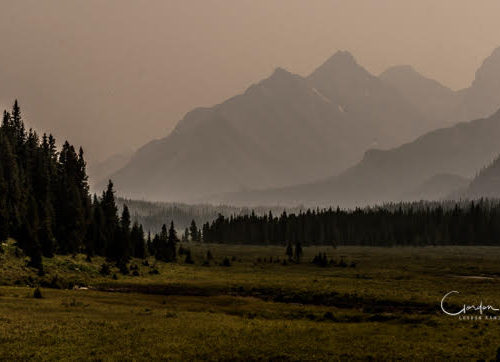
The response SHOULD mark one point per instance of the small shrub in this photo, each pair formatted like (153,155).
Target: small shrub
(37,293)
(123,268)
(320,260)
(209,255)
(56,283)
(329,316)
(189,259)
(135,273)
(145,262)
(226,262)
(105,269)
(154,271)
(342,263)
(115,277)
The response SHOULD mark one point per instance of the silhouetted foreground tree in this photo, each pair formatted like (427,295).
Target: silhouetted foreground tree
(45,203)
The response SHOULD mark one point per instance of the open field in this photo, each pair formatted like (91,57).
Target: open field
(386,307)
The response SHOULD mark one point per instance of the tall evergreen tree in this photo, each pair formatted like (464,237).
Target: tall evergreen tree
(194,232)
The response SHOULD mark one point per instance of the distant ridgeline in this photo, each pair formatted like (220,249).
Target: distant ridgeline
(45,203)
(404,224)
(152,215)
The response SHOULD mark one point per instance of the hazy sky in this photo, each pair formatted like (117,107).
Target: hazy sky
(114,74)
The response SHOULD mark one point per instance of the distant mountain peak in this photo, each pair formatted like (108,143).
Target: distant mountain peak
(342,64)
(279,78)
(280,72)
(489,71)
(342,55)
(341,58)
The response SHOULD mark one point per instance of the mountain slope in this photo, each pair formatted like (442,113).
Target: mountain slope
(480,99)
(437,187)
(99,171)
(389,175)
(430,97)
(486,183)
(284,130)
(483,96)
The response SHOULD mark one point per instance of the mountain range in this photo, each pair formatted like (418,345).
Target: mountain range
(290,130)
(392,175)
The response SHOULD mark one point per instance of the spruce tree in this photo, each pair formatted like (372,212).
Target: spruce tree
(185,236)
(289,251)
(298,252)
(194,232)
(124,242)
(137,238)
(172,241)
(111,222)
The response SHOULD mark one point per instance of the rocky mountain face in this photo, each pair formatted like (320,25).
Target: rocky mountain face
(290,130)
(436,101)
(394,174)
(431,98)
(284,130)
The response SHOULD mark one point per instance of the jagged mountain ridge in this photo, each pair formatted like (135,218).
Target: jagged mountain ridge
(283,130)
(391,174)
(429,96)
(289,129)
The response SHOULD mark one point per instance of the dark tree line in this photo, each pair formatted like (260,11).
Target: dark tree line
(464,223)
(152,215)
(45,203)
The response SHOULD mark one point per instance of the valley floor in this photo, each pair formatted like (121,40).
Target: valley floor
(386,307)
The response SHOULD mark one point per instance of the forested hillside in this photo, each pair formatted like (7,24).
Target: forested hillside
(152,215)
(45,203)
(486,183)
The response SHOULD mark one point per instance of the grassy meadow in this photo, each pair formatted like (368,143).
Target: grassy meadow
(384,305)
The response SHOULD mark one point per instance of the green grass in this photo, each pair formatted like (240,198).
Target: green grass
(387,307)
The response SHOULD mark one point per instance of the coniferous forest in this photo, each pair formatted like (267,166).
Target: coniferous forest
(404,224)
(45,204)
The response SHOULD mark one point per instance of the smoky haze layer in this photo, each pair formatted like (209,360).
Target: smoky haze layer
(283,130)
(113,75)
(287,130)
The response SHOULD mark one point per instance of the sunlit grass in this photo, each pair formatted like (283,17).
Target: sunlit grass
(386,307)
